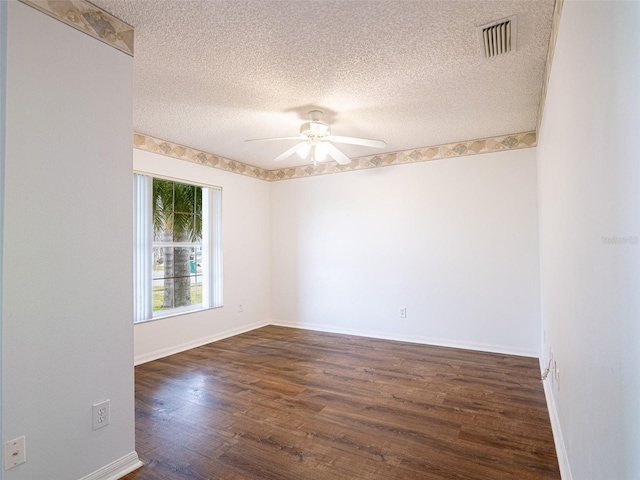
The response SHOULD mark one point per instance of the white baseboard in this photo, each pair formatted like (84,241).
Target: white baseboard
(411,339)
(165,352)
(117,469)
(561,451)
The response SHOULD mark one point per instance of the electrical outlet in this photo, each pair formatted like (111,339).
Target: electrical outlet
(101,414)
(240,308)
(15,452)
(403,312)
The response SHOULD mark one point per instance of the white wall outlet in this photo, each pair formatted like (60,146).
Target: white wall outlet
(101,414)
(15,452)
(240,307)
(403,312)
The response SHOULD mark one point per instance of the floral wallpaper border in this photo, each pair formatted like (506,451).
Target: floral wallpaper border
(89,19)
(555,26)
(156,145)
(458,149)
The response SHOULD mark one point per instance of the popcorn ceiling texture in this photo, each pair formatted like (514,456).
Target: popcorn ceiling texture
(211,74)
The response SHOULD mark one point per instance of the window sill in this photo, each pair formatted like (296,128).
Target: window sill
(177,312)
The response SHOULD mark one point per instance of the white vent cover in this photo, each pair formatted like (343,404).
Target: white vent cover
(498,38)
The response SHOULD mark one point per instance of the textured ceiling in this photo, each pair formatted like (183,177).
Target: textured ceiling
(211,74)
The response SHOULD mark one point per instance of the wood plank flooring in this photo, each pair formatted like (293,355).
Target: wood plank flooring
(286,404)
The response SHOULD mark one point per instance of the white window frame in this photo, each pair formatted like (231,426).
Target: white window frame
(144,244)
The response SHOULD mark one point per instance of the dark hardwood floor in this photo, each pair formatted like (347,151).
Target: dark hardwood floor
(288,404)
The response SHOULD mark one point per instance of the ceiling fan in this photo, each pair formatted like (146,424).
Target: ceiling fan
(315,138)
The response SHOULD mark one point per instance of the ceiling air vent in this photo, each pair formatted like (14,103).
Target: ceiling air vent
(498,38)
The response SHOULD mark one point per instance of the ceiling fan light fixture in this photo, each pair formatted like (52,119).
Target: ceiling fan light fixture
(303,150)
(320,152)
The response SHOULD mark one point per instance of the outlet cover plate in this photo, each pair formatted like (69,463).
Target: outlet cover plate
(101,414)
(15,452)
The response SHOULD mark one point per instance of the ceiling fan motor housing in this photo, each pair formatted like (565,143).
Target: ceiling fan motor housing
(315,130)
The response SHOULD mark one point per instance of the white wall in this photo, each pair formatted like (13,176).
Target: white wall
(454,241)
(3,91)
(67,339)
(589,181)
(245,236)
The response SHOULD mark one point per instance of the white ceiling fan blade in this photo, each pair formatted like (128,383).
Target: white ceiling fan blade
(288,153)
(337,155)
(299,137)
(365,142)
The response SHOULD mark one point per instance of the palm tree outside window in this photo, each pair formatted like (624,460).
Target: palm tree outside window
(177,259)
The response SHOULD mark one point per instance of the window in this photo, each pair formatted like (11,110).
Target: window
(177,251)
